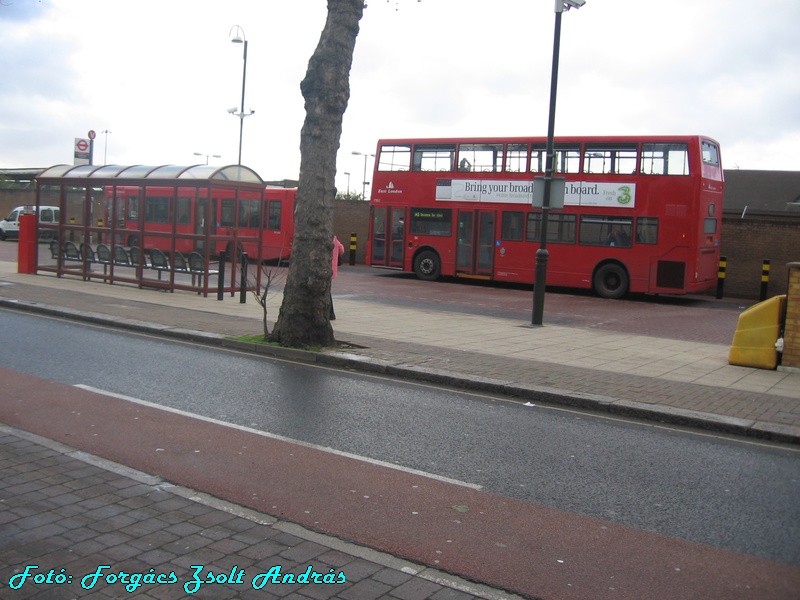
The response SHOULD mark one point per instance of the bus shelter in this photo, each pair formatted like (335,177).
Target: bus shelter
(167,227)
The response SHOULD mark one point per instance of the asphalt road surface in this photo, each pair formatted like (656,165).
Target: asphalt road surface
(728,493)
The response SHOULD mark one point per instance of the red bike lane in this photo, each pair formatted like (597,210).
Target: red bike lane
(525,548)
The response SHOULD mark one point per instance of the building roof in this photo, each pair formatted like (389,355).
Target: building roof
(762,192)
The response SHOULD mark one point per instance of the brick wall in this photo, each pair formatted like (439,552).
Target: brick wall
(746,243)
(352,216)
(791,336)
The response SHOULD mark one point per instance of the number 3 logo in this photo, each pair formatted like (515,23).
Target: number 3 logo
(624,195)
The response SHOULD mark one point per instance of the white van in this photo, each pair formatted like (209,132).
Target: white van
(9,227)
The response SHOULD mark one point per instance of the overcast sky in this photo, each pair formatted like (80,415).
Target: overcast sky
(160,75)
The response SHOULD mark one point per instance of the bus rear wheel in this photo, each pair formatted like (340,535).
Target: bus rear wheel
(428,265)
(611,281)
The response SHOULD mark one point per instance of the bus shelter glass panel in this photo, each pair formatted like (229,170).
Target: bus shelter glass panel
(48,249)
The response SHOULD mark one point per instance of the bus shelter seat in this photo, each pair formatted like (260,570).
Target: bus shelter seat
(71,252)
(199,268)
(103,256)
(180,264)
(121,257)
(159,261)
(88,253)
(137,258)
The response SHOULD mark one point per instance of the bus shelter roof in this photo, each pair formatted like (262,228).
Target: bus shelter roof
(163,174)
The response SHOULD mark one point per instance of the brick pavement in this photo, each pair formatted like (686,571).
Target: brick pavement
(71,513)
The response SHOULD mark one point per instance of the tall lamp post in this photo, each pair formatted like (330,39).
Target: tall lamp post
(364,182)
(237,37)
(105,132)
(542,254)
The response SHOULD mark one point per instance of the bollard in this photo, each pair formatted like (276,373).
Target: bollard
(764,280)
(723,263)
(27,245)
(221,276)
(353,246)
(72,231)
(243,280)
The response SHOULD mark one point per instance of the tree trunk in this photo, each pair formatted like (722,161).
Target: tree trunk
(304,318)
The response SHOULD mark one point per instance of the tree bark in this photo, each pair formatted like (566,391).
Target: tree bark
(304,318)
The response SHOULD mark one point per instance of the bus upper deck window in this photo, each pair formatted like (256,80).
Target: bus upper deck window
(434,157)
(394,158)
(665,159)
(611,160)
(710,154)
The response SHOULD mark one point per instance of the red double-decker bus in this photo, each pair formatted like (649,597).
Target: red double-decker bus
(164,215)
(640,214)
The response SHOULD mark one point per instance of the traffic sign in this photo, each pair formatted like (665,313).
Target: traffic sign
(83,151)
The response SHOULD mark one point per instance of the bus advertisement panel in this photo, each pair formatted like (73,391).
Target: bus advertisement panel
(640,214)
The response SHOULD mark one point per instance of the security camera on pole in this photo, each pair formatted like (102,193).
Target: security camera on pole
(237,37)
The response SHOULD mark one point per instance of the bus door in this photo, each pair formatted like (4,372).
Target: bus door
(475,244)
(388,236)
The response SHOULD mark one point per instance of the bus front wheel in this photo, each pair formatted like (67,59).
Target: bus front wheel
(428,266)
(611,281)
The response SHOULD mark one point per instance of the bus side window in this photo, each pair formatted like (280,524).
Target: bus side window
(516,158)
(434,157)
(604,230)
(394,158)
(184,210)
(274,215)
(665,159)
(512,228)
(647,230)
(610,160)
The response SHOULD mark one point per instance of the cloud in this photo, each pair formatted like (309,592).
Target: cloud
(161,75)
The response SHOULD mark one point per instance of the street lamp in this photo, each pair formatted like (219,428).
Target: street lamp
(105,132)
(364,186)
(207,155)
(237,37)
(542,254)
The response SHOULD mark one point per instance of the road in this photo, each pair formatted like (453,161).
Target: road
(728,493)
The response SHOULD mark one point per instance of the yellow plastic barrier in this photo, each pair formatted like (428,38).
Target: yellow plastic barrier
(756,333)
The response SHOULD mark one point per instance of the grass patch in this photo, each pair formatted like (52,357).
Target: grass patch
(258,338)
(255,339)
